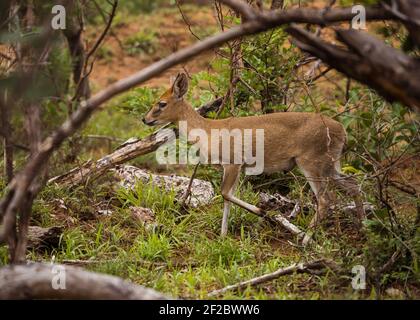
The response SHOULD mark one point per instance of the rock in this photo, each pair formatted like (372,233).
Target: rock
(202,192)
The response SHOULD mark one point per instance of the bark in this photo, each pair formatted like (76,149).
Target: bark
(237,65)
(33,126)
(42,281)
(6,129)
(32,58)
(7,11)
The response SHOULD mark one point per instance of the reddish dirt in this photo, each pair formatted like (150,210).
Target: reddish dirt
(172,34)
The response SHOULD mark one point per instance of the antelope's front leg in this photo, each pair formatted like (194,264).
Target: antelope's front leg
(226,211)
(230,179)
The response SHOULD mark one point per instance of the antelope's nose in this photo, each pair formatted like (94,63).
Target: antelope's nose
(144,120)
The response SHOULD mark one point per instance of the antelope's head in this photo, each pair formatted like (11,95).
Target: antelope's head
(170,104)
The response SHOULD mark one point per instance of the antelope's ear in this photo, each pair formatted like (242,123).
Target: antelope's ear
(180,86)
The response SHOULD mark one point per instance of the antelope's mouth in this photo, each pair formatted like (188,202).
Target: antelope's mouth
(149,123)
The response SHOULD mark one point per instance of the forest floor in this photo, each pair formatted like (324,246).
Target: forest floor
(184,255)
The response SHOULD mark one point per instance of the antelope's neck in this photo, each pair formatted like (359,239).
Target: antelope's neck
(192,119)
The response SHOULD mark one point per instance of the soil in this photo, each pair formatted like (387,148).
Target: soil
(171,34)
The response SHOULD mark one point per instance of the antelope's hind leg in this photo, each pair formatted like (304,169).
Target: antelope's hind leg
(319,179)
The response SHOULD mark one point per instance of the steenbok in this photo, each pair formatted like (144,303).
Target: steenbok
(311,141)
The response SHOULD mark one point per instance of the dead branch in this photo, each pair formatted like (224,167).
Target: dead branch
(369,60)
(409,14)
(293,229)
(187,192)
(241,7)
(186,20)
(38,280)
(306,267)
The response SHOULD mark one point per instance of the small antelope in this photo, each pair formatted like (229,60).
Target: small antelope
(311,141)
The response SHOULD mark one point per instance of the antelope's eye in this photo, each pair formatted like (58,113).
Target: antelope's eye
(162,104)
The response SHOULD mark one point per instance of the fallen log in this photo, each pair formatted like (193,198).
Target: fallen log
(307,267)
(43,238)
(131,149)
(54,281)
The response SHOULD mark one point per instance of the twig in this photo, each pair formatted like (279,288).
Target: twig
(296,267)
(92,51)
(112,33)
(184,17)
(188,191)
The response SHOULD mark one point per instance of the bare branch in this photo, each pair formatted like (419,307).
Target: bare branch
(368,60)
(307,267)
(36,280)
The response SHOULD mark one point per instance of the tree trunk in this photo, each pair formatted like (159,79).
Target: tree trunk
(7,143)
(73,34)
